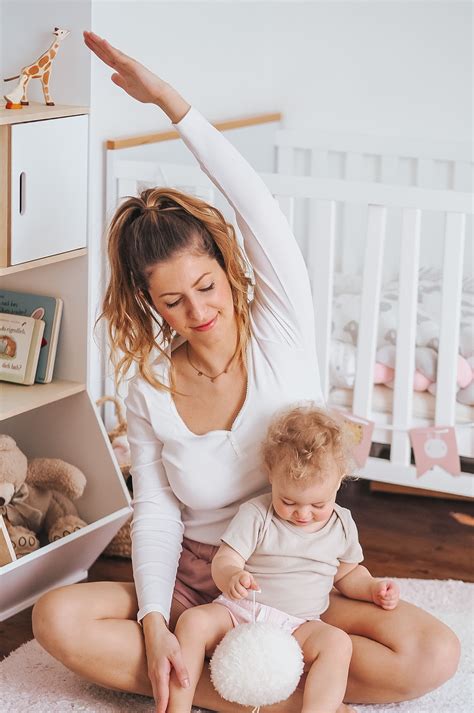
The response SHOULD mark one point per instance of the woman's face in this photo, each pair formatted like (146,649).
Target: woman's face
(192,293)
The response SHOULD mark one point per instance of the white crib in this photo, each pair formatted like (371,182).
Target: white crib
(347,199)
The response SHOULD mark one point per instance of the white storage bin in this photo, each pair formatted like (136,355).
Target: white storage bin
(72,430)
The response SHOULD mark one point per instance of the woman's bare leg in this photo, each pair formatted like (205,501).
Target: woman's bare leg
(91,628)
(397,655)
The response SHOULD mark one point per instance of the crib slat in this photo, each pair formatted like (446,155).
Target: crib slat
(354,167)
(463,175)
(389,169)
(287,206)
(406,334)
(319,164)
(370,300)
(354,216)
(424,173)
(445,413)
(285,160)
(320,262)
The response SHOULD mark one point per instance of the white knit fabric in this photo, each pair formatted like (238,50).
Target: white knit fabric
(30,680)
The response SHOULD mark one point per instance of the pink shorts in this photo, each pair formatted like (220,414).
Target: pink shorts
(241,612)
(194,584)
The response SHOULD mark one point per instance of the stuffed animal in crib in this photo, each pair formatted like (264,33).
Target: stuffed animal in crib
(342,369)
(426,365)
(37,497)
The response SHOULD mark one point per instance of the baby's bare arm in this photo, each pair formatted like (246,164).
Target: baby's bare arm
(229,574)
(225,564)
(356,582)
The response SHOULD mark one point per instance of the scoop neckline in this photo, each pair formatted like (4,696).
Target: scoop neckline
(217,430)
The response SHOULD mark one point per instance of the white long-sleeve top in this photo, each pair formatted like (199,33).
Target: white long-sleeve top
(194,484)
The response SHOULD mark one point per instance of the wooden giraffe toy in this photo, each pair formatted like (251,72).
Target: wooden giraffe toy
(41,69)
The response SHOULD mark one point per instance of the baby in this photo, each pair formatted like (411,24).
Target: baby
(293,544)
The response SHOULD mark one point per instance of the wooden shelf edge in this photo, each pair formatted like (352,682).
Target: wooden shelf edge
(50,260)
(37,111)
(28,398)
(157,137)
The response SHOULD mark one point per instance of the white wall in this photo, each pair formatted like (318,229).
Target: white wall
(402,68)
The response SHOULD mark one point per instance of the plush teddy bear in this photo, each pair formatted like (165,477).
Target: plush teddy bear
(37,497)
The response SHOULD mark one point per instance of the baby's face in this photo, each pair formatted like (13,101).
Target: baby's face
(309,505)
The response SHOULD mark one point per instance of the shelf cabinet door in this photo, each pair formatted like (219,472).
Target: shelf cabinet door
(48,187)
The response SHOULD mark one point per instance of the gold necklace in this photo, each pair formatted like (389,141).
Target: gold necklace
(202,373)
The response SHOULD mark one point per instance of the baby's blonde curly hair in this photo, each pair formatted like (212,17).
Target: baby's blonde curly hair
(302,438)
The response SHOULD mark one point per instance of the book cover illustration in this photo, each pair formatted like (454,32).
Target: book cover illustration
(49,309)
(20,343)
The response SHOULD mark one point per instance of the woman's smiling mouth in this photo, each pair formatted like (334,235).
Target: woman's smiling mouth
(208,325)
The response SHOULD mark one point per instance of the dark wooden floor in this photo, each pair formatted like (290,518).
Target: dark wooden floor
(402,536)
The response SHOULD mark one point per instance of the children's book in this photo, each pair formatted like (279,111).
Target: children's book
(20,344)
(49,309)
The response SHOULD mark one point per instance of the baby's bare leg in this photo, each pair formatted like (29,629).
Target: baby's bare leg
(328,652)
(198,631)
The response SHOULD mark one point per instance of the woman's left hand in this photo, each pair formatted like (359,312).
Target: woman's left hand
(385,593)
(138,81)
(133,77)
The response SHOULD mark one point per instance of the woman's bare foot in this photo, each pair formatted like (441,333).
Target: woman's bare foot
(343,708)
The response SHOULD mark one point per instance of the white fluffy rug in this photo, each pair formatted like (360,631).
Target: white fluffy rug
(31,680)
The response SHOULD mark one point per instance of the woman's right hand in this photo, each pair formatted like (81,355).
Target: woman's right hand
(163,654)
(135,79)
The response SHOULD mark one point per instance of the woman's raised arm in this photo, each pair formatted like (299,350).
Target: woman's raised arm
(282,307)
(137,80)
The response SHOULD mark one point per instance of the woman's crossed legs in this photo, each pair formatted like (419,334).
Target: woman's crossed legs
(91,628)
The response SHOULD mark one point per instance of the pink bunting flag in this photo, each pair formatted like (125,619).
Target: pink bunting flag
(435,445)
(360,431)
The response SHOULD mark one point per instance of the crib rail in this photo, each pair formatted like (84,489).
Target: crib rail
(386,159)
(324,196)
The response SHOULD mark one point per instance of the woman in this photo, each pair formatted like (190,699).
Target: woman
(196,417)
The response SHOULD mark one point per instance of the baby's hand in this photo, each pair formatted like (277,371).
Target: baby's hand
(385,593)
(239,584)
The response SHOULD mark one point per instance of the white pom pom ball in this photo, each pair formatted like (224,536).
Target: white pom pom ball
(256,665)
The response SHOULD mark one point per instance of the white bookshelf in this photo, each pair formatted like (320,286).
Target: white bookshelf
(16,399)
(50,260)
(59,419)
(38,112)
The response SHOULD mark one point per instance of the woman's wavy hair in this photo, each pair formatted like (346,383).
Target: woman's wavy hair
(155,226)
(302,438)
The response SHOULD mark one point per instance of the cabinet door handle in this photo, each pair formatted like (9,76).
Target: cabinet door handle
(22,193)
